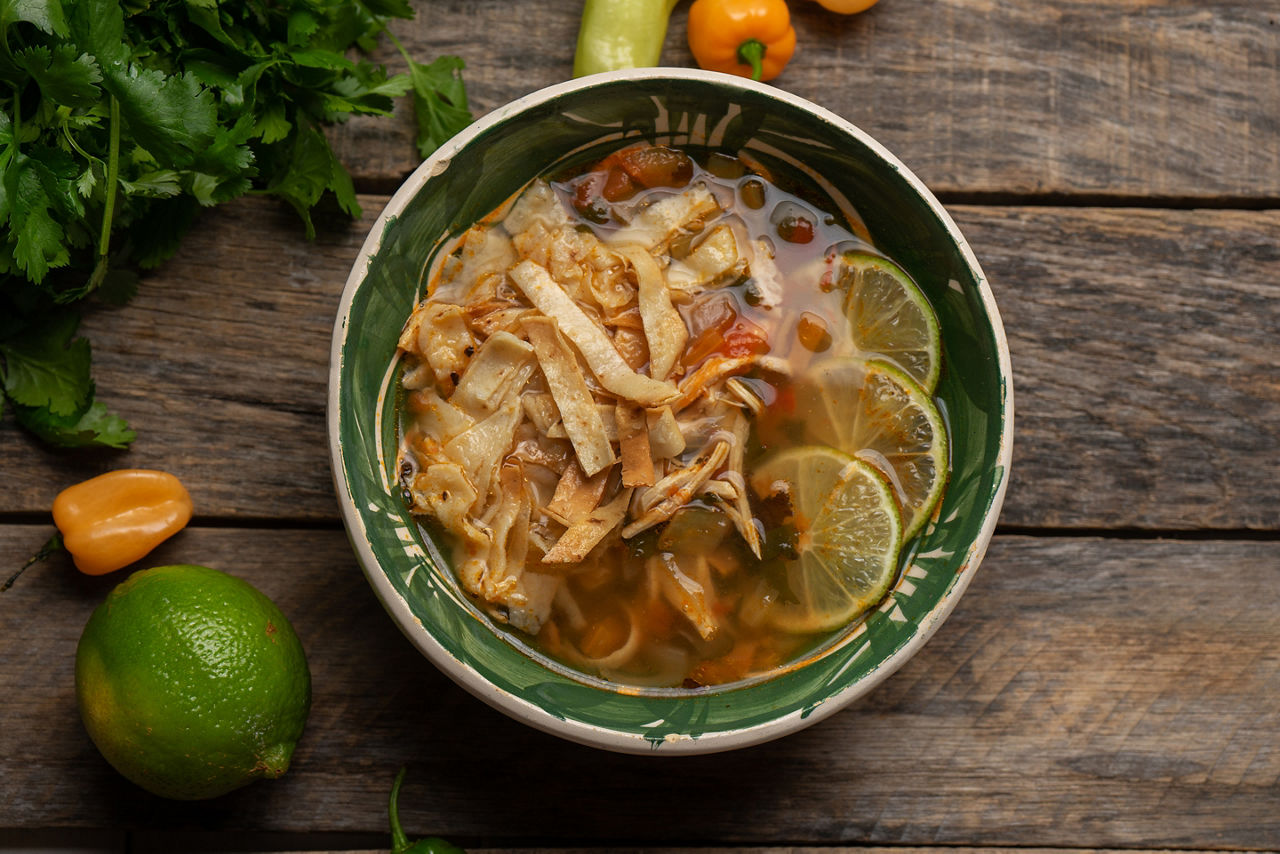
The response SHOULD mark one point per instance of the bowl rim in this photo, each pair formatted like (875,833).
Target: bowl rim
(517,707)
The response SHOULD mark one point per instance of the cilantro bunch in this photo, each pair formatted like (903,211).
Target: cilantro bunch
(119,121)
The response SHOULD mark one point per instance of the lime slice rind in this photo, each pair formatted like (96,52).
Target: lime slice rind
(890,317)
(932,454)
(873,410)
(848,550)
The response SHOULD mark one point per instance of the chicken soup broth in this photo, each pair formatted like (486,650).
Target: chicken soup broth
(674,422)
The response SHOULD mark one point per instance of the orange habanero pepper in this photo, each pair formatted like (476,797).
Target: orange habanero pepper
(847,7)
(114,519)
(750,38)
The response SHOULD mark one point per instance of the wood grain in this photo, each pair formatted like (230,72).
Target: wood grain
(1115,692)
(1146,368)
(1104,98)
(1146,380)
(789,849)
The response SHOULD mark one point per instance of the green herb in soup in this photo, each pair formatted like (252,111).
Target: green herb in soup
(674,422)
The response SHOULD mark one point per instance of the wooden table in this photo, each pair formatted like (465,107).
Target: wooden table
(1112,678)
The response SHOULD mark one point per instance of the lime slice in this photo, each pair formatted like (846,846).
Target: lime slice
(849,535)
(872,410)
(889,316)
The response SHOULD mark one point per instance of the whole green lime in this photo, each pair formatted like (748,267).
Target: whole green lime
(191,682)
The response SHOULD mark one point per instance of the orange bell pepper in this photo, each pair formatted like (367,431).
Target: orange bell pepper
(114,519)
(749,38)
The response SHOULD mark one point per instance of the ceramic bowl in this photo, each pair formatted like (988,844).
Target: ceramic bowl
(468,177)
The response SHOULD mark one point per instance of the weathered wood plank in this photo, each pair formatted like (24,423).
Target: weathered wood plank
(1146,379)
(221,364)
(789,849)
(1105,97)
(1146,369)
(1086,692)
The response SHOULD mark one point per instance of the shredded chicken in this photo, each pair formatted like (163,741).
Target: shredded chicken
(543,357)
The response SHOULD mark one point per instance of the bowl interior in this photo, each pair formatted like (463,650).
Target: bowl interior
(479,170)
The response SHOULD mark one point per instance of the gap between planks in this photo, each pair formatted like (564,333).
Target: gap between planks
(222,523)
(743,849)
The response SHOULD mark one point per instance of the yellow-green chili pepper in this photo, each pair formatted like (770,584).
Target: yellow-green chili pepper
(621,34)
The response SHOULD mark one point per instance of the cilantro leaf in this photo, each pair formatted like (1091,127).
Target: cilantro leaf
(273,125)
(439,101)
(97,26)
(36,237)
(157,184)
(324,59)
(57,172)
(172,117)
(96,427)
(46,15)
(309,173)
(63,74)
(302,25)
(119,119)
(45,368)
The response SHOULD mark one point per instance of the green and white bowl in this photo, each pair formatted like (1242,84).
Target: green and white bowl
(478,169)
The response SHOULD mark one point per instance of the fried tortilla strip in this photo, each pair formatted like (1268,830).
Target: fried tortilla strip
(554,456)
(577,407)
(538,204)
(443,491)
(592,341)
(633,446)
(659,222)
(587,269)
(480,449)
(439,333)
(576,495)
(678,488)
(632,345)
(496,578)
(664,328)
(504,318)
(437,417)
(582,536)
(502,363)
(486,251)
(541,409)
(665,438)
(558,431)
(497,575)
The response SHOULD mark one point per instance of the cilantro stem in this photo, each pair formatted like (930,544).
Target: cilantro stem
(71,141)
(52,545)
(395,41)
(113,175)
(17,119)
(109,204)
